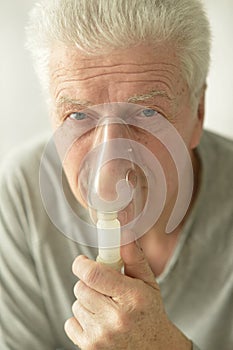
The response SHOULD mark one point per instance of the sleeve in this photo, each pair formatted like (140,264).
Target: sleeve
(24,324)
(195,347)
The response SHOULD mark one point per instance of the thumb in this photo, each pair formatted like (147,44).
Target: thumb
(136,265)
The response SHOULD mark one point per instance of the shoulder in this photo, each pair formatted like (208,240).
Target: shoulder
(216,153)
(217,147)
(216,193)
(211,222)
(19,169)
(21,205)
(27,152)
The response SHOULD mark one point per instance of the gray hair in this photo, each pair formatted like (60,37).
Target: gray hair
(99,26)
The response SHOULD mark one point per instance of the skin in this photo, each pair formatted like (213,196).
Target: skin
(115,311)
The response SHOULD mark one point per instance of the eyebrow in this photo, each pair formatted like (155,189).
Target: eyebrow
(82,103)
(133,99)
(148,95)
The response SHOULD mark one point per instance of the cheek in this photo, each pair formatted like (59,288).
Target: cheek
(164,158)
(72,164)
(79,150)
(184,123)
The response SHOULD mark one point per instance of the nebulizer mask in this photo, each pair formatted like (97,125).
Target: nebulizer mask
(119,179)
(111,183)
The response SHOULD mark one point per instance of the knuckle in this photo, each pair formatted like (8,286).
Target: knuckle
(104,340)
(122,322)
(136,297)
(140,295)
(67,325)
(87,344)
(75,264)
(78,288)
(139,300)
(92,275)
(97,345)
(75,307)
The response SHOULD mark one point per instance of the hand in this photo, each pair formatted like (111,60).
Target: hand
(115,311)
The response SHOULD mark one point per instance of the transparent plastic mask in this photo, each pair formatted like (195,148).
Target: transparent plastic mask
(118,174)
(110,181)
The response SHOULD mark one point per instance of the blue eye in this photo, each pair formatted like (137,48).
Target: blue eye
(78,115)
(149,112)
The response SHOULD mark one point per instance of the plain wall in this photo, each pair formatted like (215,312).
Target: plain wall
(23,111)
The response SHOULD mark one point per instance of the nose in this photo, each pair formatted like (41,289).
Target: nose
(110,162)
(112,178)
(110,128)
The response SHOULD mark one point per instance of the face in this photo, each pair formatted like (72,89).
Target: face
(150,78)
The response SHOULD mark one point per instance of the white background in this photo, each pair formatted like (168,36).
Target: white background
(23,111)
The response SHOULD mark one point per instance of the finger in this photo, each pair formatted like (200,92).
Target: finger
(100,277)
(92,300)
(74,331)
(83,316)
(136,265)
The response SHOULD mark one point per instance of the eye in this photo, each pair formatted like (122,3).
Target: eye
(78,115)
(148,112)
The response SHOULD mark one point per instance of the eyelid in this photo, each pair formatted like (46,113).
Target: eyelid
(142,109)
(75,109)
(148,110)
(159,111)
(89,114)
(65,109)
(82,115)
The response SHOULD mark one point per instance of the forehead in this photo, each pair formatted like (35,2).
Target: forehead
(123,75)
(140,54)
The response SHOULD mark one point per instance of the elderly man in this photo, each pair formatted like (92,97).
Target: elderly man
(177,289)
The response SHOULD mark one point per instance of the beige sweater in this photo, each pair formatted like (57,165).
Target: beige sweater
(36,278)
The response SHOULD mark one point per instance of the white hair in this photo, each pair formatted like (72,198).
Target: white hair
(99,26)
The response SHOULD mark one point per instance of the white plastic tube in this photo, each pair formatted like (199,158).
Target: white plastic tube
(109,235)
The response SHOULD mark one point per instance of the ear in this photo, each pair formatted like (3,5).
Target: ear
(199,120)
